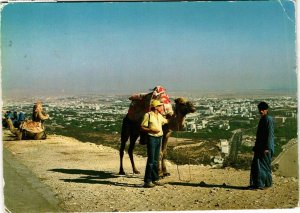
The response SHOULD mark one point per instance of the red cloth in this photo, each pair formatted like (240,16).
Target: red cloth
(140,103)
(160,94)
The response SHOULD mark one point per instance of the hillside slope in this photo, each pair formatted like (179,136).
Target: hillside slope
(84,177)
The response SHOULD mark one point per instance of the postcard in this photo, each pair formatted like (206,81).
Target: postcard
(211,85)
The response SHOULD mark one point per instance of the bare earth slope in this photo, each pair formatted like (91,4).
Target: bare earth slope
(84,177)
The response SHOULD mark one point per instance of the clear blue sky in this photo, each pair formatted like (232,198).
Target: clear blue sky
(62,48)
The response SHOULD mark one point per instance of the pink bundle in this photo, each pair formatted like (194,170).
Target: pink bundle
(160,94)
(140,103)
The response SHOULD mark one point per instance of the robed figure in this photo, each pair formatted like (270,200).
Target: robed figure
(261,171)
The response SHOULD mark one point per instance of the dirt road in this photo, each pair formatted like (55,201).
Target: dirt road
(84,177)
(23,191)
(287,161)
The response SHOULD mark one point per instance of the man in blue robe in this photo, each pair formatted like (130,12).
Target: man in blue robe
(261,171)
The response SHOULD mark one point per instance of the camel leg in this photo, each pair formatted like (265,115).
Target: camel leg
(14,130)
(40,136)
(162,169)
(133,139)
(122,148)
(124,139)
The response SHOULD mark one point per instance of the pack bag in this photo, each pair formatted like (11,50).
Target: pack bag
(140,103)
(31,126)
(144,137)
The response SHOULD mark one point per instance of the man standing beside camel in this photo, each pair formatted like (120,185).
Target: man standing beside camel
(140,104)
(152,124)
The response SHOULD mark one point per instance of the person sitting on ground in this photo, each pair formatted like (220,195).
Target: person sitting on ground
(15,117)
(8,114)
(19,118)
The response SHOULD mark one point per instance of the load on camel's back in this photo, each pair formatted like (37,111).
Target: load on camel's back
(28,130)
(140,104)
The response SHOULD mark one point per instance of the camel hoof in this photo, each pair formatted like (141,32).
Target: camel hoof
(121,173)
(136,172)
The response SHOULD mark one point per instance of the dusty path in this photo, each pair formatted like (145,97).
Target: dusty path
(23,191)
(84,177)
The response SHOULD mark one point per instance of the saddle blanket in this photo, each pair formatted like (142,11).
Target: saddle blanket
(31,126)
(140,103)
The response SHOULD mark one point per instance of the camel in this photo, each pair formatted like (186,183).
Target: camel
(28,130)
(131,130)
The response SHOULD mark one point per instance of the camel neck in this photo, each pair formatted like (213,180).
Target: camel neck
(176,122)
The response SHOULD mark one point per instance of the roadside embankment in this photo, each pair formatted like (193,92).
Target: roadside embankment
(84,177)
(287,162)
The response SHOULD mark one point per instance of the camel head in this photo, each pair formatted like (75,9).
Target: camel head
(183,106)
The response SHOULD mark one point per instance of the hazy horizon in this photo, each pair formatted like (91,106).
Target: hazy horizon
(173,94)
(125,47)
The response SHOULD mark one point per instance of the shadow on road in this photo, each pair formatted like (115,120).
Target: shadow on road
(93,181)
(93,177)
(91,173)
(203,184)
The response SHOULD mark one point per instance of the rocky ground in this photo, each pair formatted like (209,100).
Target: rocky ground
(84,177)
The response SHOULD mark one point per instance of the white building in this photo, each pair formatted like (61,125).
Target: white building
(224,146)
(204,122)
(280,119)
(191,126)
(218,160)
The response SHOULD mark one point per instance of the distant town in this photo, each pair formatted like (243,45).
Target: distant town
(215,121)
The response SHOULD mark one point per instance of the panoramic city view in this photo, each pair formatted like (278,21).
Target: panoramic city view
(98,119)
